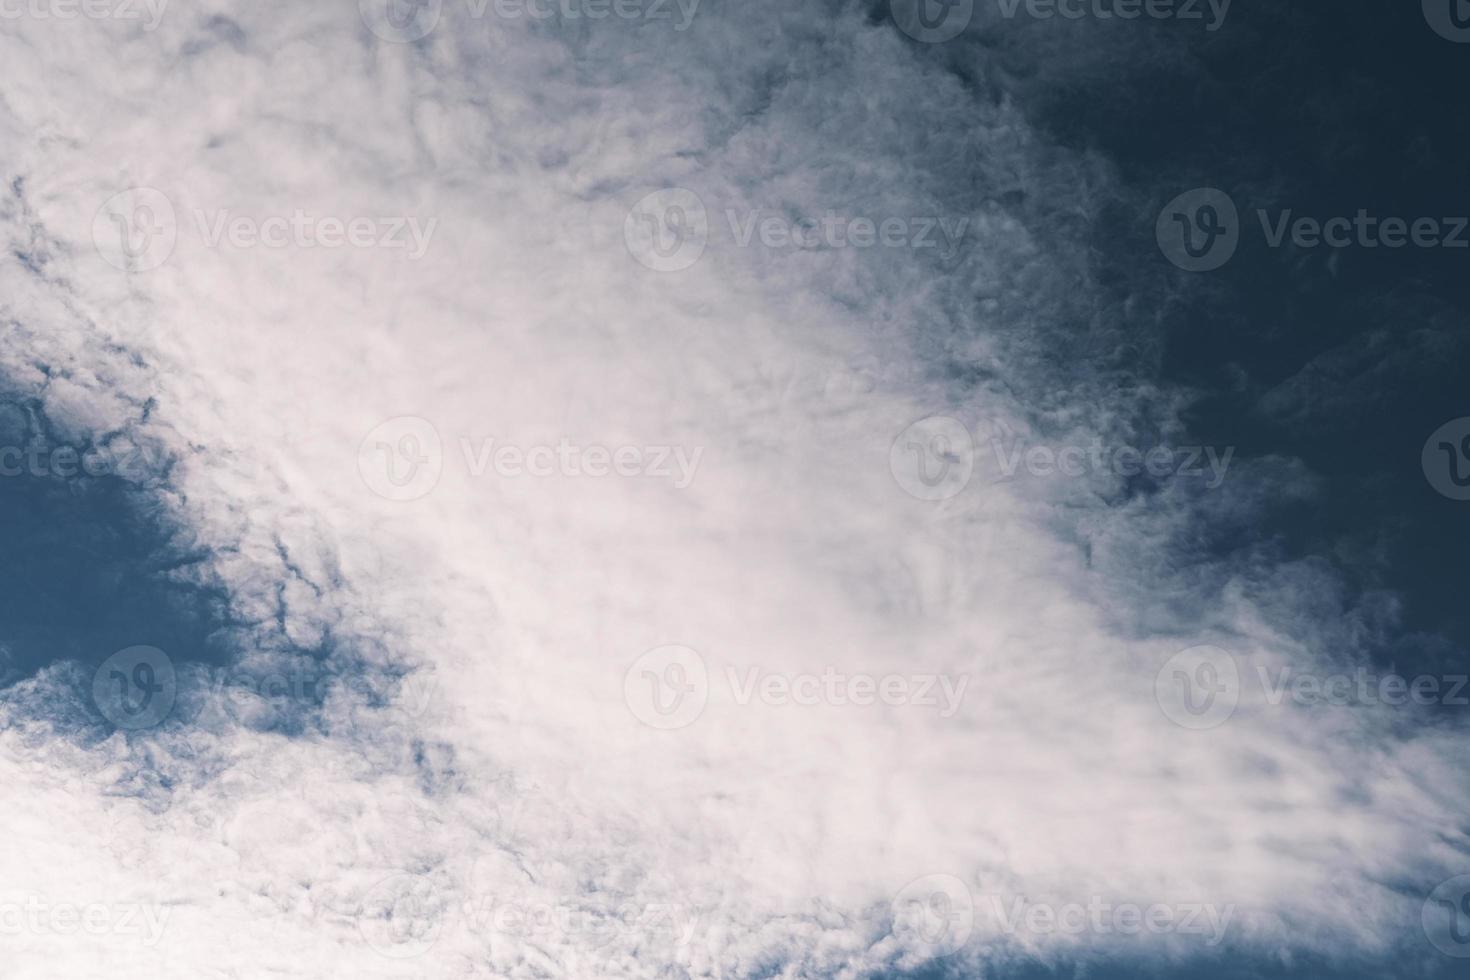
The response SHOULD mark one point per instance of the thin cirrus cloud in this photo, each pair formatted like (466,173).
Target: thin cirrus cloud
(474,783)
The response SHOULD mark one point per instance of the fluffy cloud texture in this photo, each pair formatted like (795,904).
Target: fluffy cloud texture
(471,787)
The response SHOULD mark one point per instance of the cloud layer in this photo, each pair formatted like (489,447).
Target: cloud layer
(469,784)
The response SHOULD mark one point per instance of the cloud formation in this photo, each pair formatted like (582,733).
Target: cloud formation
(468,784)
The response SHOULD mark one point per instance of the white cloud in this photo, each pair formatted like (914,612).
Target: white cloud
(778,834)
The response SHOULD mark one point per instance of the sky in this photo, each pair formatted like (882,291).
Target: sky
(686,489)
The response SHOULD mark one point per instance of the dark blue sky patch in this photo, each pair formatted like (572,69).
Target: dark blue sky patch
(113,618)
(96,563)
(1346,359)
